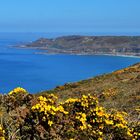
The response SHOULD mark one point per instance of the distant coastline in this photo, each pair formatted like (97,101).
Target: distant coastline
(125,46)
(119,55)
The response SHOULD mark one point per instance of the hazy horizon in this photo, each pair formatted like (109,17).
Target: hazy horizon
(111,17)
(57,34)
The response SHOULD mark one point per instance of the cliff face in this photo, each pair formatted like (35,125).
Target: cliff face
(127,45)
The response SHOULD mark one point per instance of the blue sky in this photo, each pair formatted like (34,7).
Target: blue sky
(115,16)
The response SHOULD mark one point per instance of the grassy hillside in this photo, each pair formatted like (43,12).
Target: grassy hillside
(119,90)
(106,107)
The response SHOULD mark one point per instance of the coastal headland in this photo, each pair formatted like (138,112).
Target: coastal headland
(88,45)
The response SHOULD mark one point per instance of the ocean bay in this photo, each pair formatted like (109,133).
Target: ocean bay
(37,72)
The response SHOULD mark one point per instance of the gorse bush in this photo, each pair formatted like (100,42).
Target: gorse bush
(81,118)
(17,90)
(46,118)
(2,137)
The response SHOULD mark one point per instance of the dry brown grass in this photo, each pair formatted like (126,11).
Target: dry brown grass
(126,83)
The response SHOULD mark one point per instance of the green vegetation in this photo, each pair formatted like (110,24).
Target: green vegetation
(76,44)
(106,107)
(119,90)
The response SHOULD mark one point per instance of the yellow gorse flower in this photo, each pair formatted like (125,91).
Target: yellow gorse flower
(48,108)
(2,133)
(82,118)
(50,123)
(71,100)
(17,91)
(109,122)
(84,115)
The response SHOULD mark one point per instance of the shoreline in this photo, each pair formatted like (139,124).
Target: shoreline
(44,52)
(86,54)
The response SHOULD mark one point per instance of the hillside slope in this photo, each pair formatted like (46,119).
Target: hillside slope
(119,90)
(105,107)
(115,45)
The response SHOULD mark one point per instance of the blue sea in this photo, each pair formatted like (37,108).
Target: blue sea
(37,72)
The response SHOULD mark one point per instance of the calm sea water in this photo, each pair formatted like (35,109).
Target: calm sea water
(36,72)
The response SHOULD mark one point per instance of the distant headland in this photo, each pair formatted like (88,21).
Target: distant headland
(88,45)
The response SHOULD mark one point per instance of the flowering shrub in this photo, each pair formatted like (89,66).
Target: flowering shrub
(17,91)
(47,110)
(81,118)
(2,133)
(45,117)
(15,98)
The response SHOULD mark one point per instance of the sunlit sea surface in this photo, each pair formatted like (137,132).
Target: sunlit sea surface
(38,72)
